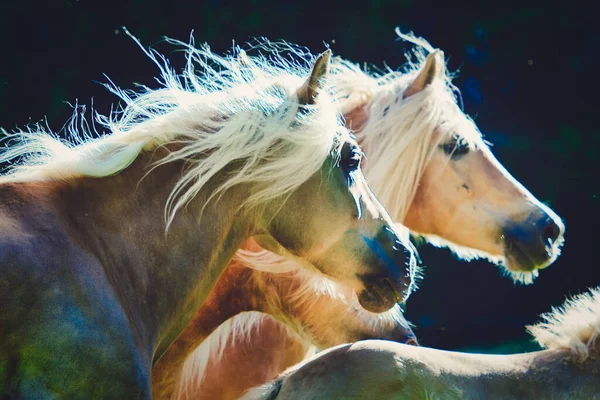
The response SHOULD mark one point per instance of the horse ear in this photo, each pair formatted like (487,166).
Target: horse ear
(309,91)
(434,68)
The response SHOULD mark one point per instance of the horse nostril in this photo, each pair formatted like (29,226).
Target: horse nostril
(551,232)
(390,286)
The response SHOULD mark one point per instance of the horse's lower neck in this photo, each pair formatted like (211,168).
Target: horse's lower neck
(548,374)
(160,279)
(232,295)
(238,290)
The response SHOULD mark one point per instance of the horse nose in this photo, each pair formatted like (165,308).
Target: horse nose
(399,253)
(390,281)
(534,243)
(551,232)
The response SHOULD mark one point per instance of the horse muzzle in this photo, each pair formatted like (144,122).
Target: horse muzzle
(381,293)
(390,262)
(533,244)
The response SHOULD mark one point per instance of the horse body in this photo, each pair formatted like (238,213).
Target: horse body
(95,287)
(568,369)
(86,267)
(385,370)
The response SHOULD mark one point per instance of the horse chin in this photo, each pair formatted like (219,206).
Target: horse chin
(405,335)
(520,259)
(521,268)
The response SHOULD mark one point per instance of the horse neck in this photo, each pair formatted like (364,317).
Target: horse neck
(238,290)
(160,278)
(230,297)
(548,374)
(558,374)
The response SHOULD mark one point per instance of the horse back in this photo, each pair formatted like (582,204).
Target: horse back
(62,329)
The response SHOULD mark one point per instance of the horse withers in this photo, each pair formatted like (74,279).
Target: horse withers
(110,246)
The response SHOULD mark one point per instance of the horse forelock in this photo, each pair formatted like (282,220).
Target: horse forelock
(297,292)
(229,112)
(575,325)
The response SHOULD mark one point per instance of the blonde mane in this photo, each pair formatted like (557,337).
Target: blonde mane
(227,113)
(575,325)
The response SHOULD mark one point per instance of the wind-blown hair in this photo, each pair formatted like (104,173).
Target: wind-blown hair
(229,112)
(575,325)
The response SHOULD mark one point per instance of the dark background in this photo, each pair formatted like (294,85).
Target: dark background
(528,75)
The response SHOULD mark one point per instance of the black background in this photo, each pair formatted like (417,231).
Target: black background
(528,76)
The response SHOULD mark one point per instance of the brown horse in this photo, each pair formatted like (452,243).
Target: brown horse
(373,369)
(95,285)
(430,167)
(307,307)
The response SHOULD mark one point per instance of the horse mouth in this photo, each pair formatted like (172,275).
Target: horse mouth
(522,258)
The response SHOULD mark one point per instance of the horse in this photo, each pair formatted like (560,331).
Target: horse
(429,166)
(109,245)
(567,368)
(312,310)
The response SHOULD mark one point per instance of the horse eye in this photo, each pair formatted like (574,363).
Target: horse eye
(455,149)
(350,159)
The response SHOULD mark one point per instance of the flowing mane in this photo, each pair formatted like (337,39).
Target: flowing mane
(575,325)
(229,112)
